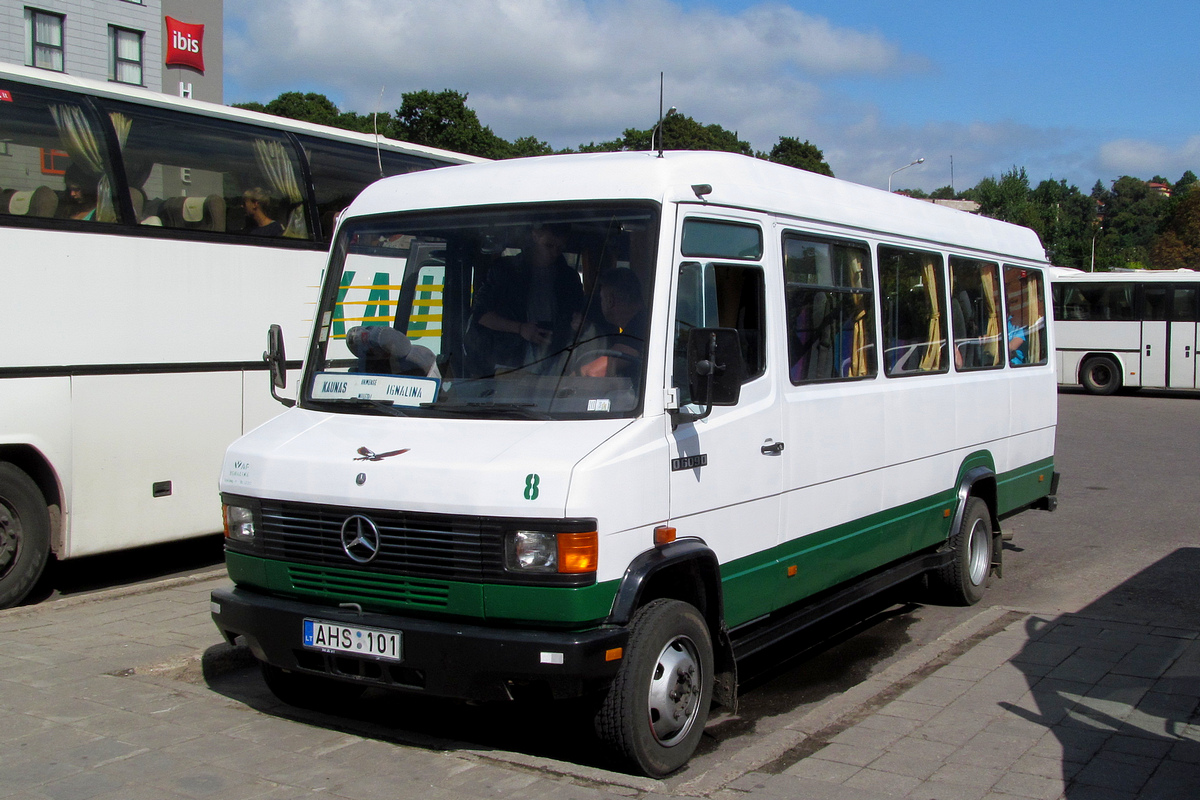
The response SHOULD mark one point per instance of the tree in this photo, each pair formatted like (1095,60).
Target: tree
(316,108)
(1177,246)
(1007,198)
(679,132)
(1133,213)
(801,155)
(442,119)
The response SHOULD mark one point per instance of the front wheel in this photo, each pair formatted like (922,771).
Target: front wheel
(656,707)
(963,580)
(24,534)
(1100,375)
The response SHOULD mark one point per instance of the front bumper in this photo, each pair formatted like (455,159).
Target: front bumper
(442,658)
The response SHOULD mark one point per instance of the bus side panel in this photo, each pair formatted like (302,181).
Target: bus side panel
(134,433)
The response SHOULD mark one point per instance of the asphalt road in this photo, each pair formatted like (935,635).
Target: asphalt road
(1128,499)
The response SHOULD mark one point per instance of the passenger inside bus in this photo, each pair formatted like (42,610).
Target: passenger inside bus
(529,307)
(257,203)
(80,199)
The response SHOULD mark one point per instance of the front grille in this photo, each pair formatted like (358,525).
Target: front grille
(368,588)
(415,545)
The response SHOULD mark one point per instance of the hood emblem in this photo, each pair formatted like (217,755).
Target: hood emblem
(360,538)
(367,454)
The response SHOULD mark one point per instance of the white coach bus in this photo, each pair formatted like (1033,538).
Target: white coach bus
(1130,329)
(147,241)
(672,410)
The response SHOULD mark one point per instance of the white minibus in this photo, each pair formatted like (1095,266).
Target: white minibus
(1128,329)
(147,241)
(602,425)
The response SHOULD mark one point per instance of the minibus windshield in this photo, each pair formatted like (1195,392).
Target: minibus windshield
(499,313)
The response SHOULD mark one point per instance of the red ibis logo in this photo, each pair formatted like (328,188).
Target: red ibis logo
(185,45)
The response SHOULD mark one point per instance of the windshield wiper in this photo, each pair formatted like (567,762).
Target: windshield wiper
(484,408)
(391,409)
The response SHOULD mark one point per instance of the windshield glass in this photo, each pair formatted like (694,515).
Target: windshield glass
(531,313)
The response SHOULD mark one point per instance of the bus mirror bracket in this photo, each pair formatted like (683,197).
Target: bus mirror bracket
(715,371)
(276,359)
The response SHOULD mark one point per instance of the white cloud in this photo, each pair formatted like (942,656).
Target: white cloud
(1145,159)
(566,71)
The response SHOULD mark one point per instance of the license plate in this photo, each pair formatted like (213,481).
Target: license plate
(333,637)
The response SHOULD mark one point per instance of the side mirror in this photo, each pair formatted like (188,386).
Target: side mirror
(715,369)
(276,360)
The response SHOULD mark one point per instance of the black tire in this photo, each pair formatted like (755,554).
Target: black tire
(309,691)
(1100,375)
(963,581)
(654,713)
(24,534)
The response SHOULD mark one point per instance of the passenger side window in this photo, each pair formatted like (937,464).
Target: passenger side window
(975,309)
(53,158)
(830,309)
(714,295)
(1026,316)
(186,172)
(912,285)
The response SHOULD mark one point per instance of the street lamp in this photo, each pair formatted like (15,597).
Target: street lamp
(906,166)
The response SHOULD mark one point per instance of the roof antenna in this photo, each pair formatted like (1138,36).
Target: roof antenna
(375,125)
(659,131)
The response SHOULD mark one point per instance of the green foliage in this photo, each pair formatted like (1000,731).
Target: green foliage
(1177,245)
(801,155)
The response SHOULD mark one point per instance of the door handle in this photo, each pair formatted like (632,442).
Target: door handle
(1147,349)
(772,448)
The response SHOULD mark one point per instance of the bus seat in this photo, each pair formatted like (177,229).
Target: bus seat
(39,202)
(195,213)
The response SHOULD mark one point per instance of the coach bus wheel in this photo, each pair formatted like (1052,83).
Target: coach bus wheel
(963,580)
(655,710)
(309,691)
(24,534)
(1100,375)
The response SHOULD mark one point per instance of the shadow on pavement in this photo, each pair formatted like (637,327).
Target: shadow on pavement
(1118,686)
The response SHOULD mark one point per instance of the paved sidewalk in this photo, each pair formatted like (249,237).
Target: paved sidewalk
(125,695)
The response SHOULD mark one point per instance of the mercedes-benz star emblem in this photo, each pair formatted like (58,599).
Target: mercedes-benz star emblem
(360,538)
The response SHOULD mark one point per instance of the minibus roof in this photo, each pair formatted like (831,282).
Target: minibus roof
(736,181)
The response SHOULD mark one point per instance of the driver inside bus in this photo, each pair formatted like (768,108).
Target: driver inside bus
(625,314)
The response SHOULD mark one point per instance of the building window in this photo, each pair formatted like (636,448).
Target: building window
(45,36)
(54,162)
(126,55)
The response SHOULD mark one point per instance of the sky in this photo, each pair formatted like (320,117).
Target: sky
(1068,90)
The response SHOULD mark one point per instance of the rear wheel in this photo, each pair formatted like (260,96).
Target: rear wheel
(1100,375)
(963,580)
(309,691)
(24,534)
(655,710)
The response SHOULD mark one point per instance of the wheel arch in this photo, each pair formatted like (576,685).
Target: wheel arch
(34,463)
(977,478)
(686,570)
(1115,357)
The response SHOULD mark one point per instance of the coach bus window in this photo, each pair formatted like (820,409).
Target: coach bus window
(1153,305)
(830,310)
(1094,301)
(55,162)
(1026,316)
(975,313)
(192,173)
(339,172)
(1183,304)
(912,285)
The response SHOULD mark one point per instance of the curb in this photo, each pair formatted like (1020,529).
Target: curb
(115,593)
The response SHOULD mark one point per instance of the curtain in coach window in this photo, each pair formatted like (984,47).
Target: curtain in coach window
(932,360)
(86,149)
(279,170)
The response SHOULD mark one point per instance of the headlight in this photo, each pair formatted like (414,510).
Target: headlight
(546,551)
(239,523)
